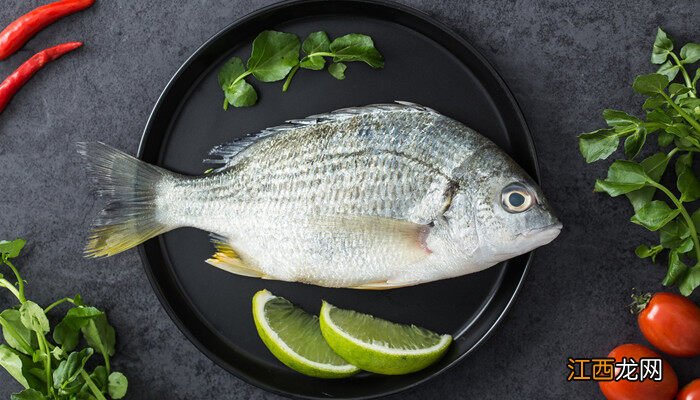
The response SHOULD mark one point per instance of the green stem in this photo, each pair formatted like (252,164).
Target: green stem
(241,76)
(95,390)
(686,217)
(9,286)
(686,77)
(57,303)
(20,282)
(682,113)
(321,54)
(290,76)
(47,361)
(106,357)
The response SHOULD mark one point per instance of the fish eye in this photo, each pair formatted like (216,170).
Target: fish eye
(516,198)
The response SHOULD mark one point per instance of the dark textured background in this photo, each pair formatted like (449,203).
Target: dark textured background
(563,62)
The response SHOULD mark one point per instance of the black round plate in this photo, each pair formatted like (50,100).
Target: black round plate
(425,63)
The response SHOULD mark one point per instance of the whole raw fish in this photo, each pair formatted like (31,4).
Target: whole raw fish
(374,197)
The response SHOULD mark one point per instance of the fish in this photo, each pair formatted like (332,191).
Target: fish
(376,197)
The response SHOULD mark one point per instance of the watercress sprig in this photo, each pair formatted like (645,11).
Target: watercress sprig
(275,56)
(672,111)
(58,371)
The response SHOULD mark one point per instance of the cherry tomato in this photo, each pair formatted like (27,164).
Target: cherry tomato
(691,391)
(637,390)
(671,323)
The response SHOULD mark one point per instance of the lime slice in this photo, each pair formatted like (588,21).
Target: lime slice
(294,337)
(380,346)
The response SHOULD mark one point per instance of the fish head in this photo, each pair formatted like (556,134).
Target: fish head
(499,213)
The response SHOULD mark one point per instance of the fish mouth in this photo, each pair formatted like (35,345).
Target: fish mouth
(547,232)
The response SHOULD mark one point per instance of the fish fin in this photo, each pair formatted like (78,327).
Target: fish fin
(225,155)
(383,285)
(227,259)
(129,185)
(404,239)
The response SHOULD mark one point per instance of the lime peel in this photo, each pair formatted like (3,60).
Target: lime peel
(283,352)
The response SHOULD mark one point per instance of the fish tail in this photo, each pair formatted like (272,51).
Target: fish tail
(130,187)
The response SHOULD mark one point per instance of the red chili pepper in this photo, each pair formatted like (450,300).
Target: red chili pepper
(23,28)
(14,82)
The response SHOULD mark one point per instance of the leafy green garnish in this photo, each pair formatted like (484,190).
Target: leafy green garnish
(672,113)
(275,56)
(47,371)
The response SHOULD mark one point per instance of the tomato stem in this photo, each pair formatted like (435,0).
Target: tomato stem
(639,302)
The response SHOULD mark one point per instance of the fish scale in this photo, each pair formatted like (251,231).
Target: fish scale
(374,197)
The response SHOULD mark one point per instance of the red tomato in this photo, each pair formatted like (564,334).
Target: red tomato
(645,390)
(691,391)
(671,323)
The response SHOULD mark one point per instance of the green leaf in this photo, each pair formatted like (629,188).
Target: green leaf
(118,385)
(662,46)
(654,166)
(100,335)
(317,42)
(676,235)
(274,55)
(11,249)
(653,102)
(665,139)
(659,116)
(689,186)
(33,317)
(676,269)
(690,281)
(635,142)
(650,84)
(668,69)
(356,47)
(598,145)
(623,177)
(676,89)
(14,332)
(230,71)
(337,70)
(28,394)
(241,94)
(644,251)
(12,361)
(654,215)
(690,53)
(619,118)
(69,369)
(67,332)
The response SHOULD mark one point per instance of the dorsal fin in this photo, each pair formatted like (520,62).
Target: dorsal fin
(224,155)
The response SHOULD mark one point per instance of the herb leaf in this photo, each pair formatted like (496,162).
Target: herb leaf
(650,84)
(17,335)
(316,42)
(33,317)
(337,70)
(623,177)
(662,47)
(67,332)
(690,53)
(28,394)
(100,335)
(69,370)
(356,47)
(11,249)
(654,215)
(117,385)
(599,144)
(676,269)
(274,55)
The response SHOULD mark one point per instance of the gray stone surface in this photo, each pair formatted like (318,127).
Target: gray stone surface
(564,61)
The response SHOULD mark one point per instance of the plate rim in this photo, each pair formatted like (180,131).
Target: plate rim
(413,12)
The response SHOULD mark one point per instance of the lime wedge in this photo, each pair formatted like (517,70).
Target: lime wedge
(295,338)
(380,346)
